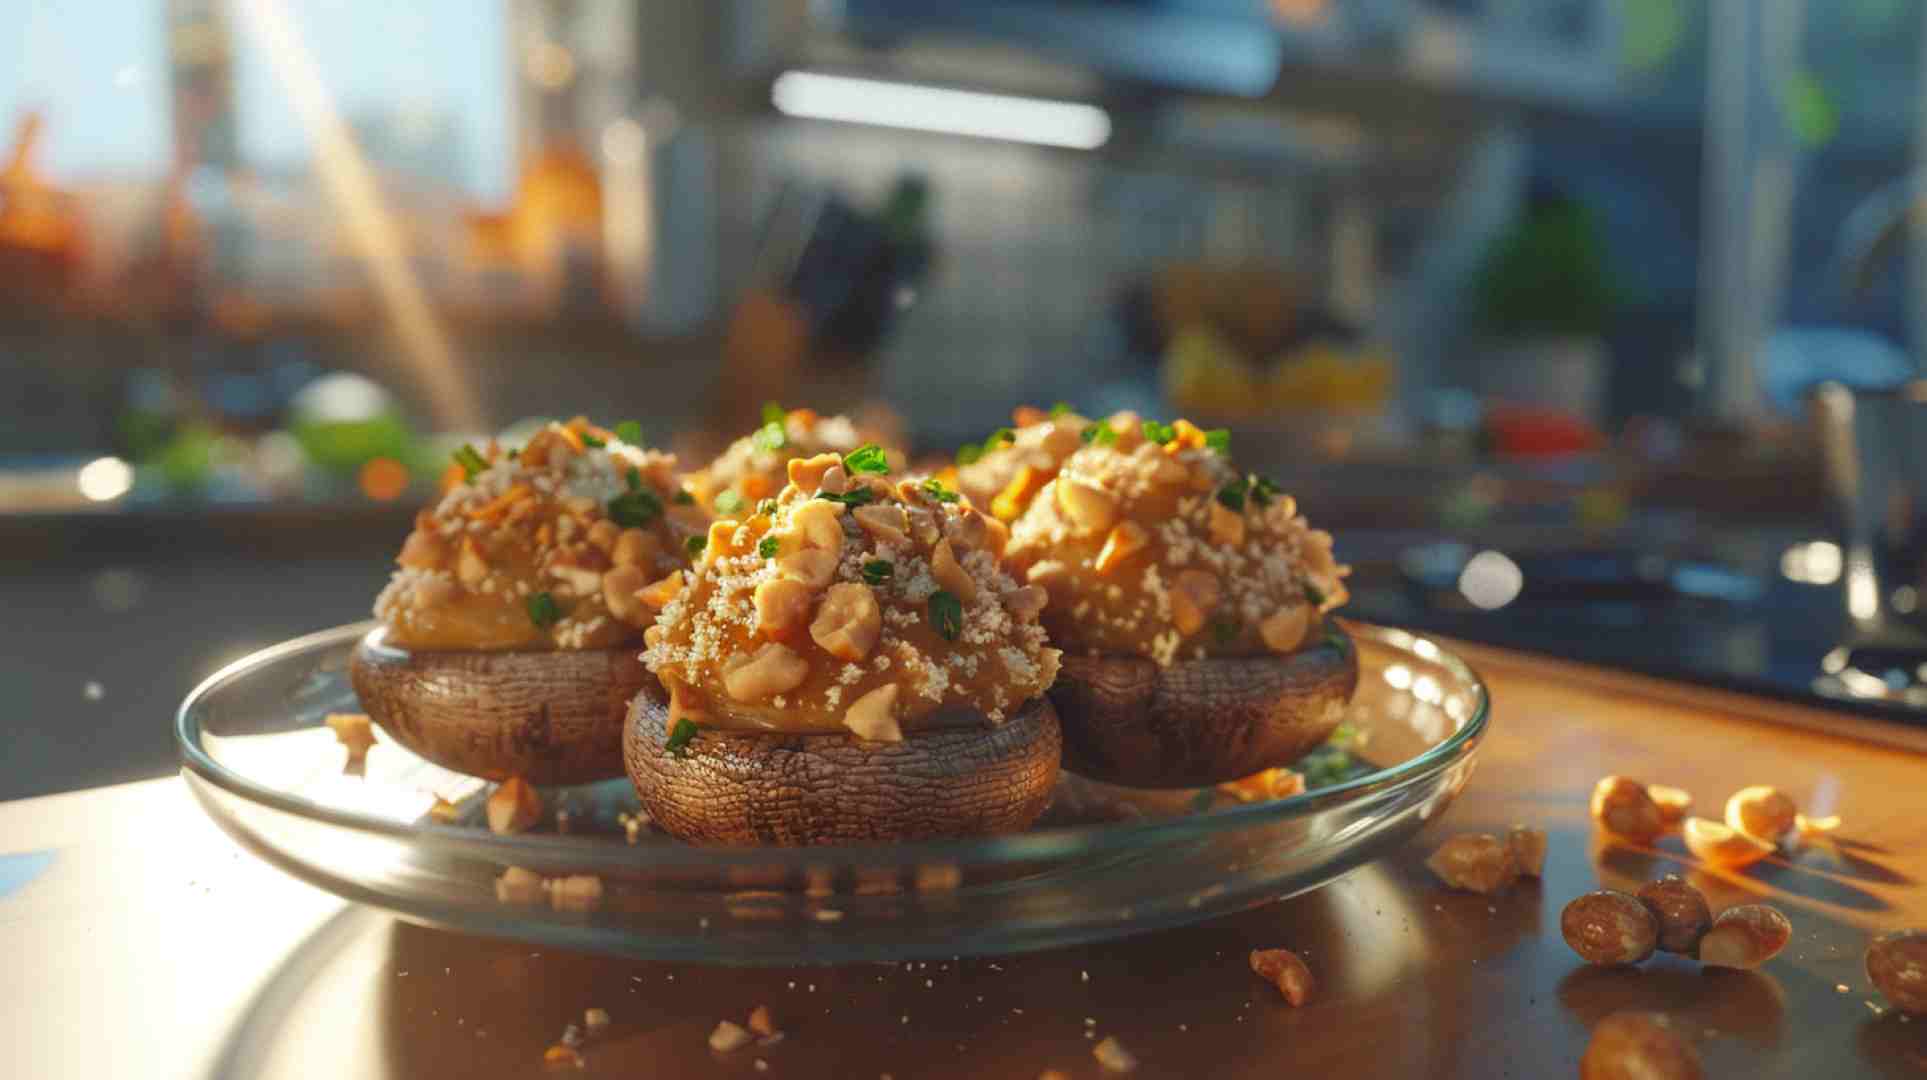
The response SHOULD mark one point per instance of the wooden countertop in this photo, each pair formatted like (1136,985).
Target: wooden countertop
(145,943)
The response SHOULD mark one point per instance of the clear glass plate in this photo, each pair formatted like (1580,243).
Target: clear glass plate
(1102,863)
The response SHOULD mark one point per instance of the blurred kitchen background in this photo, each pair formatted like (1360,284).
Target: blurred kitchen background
(1589,326)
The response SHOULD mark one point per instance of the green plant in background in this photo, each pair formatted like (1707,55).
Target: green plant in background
(343,446)
(1546,276)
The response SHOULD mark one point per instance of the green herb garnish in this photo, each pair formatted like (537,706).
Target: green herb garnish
(934,488)
(1099,434)
(470,461)
(1059,409)
(1336,640)
(634,509)
(695,545)
(774,413)
(970,453)
(946,614)
(1232,494)
(1262,489)
(1218,439)
(594,442)
(630,431)
(772,436)
(876,571)
(868,458)
(680,737)
(1158,432)
(767,507)
(683,498)
(633,479)
(857,496)
(542,610)
(768,546)
(728,502)
(1314,595)
(1003,436)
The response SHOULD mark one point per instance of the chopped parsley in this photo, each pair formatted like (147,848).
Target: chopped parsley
(946,614)
(876,571)
(767,507)
(868,458)
(680,737)
(594,442)
(695,545)
(970,453)
(1314,595)
(857,496)
(1159,432)
(1218,439)
(1262,489)
(1003,436)
(633,478)
(634,509)
(629,431)
(728,502)
(1099,434)
(768,546)
(934,488)
(543,611)
(1232,494)
(772,436)
(1059,409)
(683,498)
(774,413)
(470,461)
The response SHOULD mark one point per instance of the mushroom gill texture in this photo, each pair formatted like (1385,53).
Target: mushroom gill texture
(1199,722)
(548,716)
(764,788)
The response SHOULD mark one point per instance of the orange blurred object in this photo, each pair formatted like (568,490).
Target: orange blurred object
(384,479)
(1532,431)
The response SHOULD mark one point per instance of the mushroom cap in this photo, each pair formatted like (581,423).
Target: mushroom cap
(1127,721)
(757,788)
(549,716)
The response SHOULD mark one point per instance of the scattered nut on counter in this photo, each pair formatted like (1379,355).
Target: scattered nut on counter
(1720,845)
(1674,803)
(1681,911)
(1527,846)
(518,886)
(1609,928)
(1821,826)
(1638,1046)
(596,1021)
(1762,812)
(1285,970)
(1745,937)
(562,1056)
(728,1036)
(1897,964)
(1622,806)
(760,1021)
(514,806)
(1475,862)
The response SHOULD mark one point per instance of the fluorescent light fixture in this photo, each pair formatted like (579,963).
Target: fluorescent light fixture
(930,108)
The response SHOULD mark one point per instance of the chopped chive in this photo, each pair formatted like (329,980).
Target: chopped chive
(543,611)
(1232,494)
(634,509)
(683,498)
(854,497)
(768,546)
(1218,439)
(774,413)
(695,545)
(1099,434)
(970,453)
(934,488)
(1262,489)
(868,458)
(728,502)
(680,737)
(594,442)
(470,461)
(946,614)
(876,571)
(1060,409)
(633,478)
(630,431)
(1159,432)
(771,435)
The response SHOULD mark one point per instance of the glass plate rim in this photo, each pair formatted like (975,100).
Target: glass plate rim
(1072,841)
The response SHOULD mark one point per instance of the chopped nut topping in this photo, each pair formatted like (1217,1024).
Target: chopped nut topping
(1227,525)
(1091,509)
(423,550)
(1193,596)
(870,715)
(772,670)
(636,548)
(782,605)
(950,574)
(471,567)
(1284,630)
(658,594)
(620,587)
(807,473)
(886,523)
(848,622)
(1125,539)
